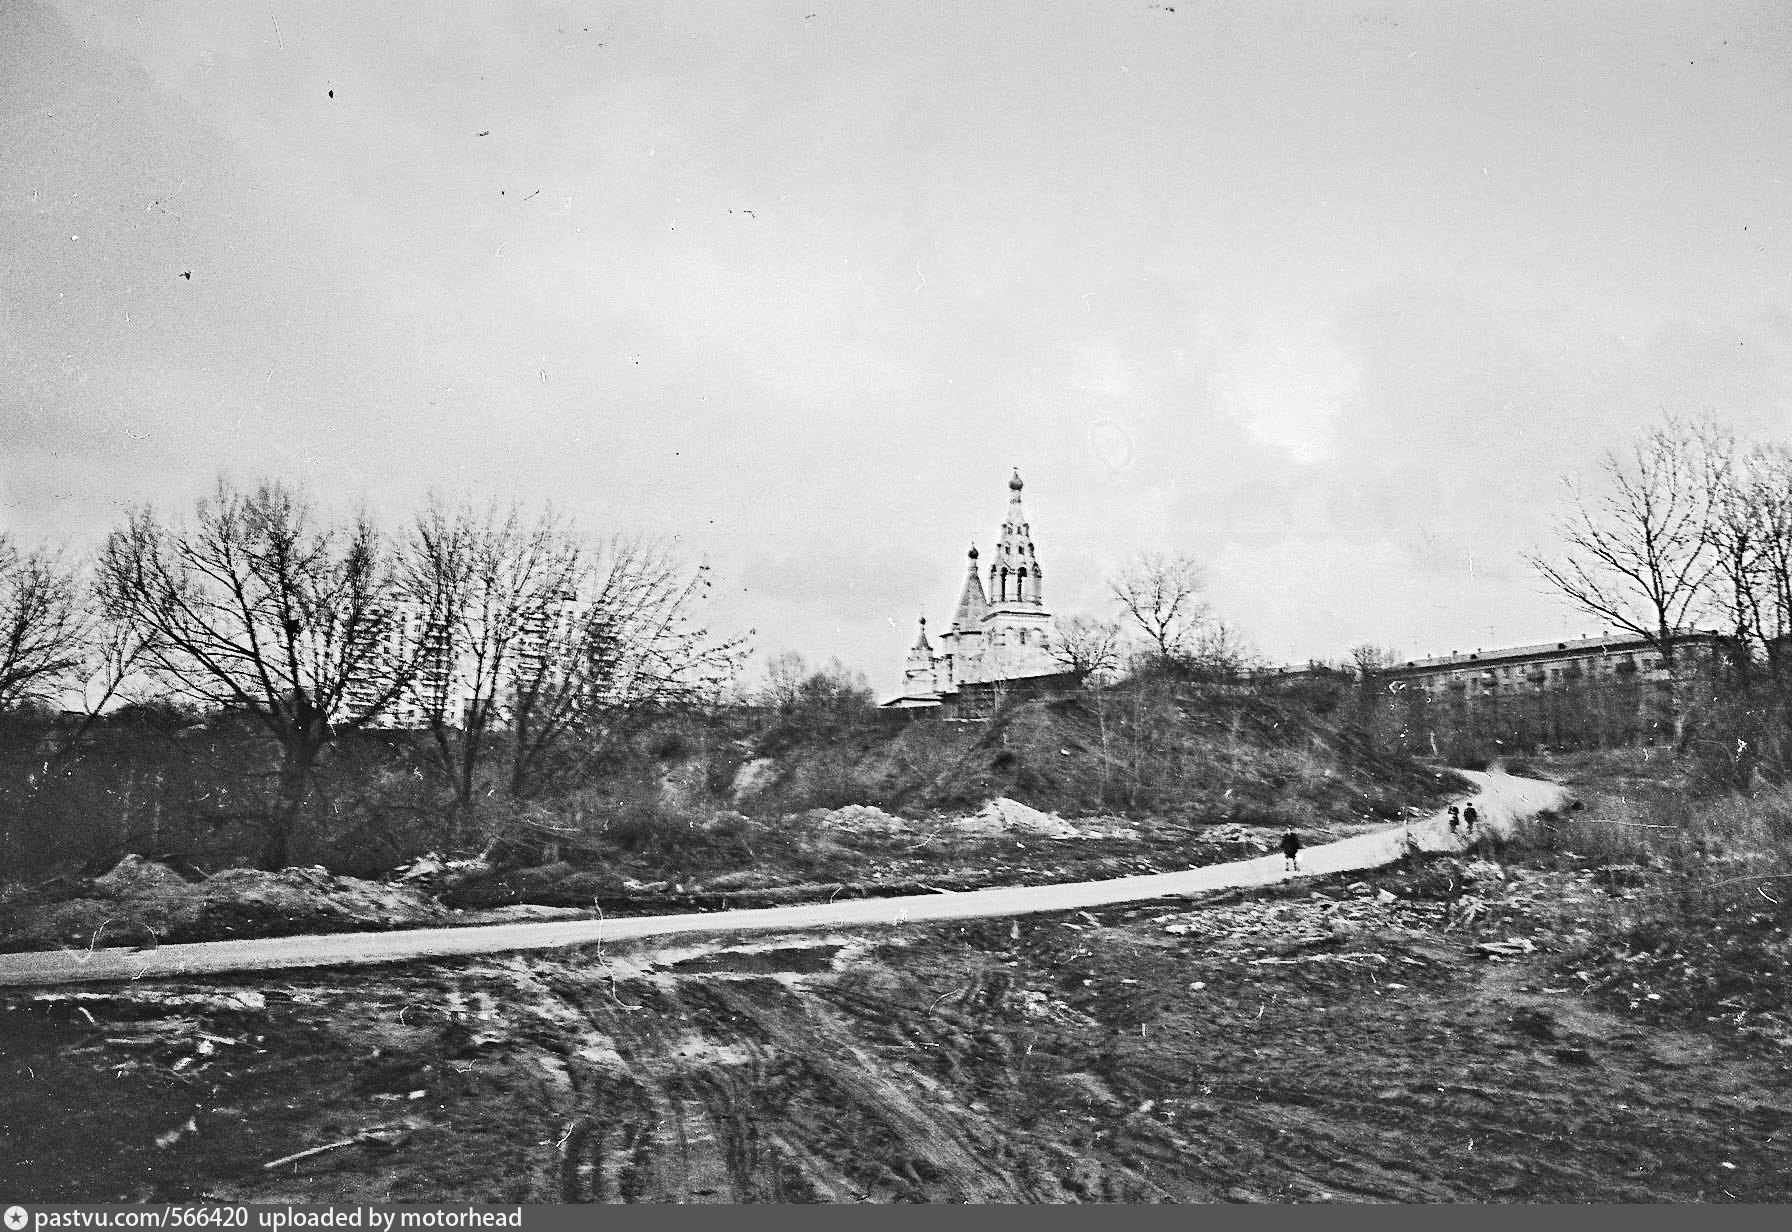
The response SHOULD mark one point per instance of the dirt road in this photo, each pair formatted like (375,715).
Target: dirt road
(1501,798)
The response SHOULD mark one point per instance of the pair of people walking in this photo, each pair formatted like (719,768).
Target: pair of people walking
(1466,815)
(1291,840)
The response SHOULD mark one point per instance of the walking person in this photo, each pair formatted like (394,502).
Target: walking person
(1291,851)
(1469,816)
(1455,818)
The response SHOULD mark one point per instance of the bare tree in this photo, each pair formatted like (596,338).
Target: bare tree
(1770,501)
(43,629)
(831,693)
(1087,646)
(258,609)
(1221,652)
(1738,535)
(785,672)
(1750,536)
(629,643)
(114,650)
(1637,553)
(1369,658)
(1161,594)
(483,585)
(837,691)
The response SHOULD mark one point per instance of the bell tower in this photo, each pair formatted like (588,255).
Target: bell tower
(1017,625)
(1014,576)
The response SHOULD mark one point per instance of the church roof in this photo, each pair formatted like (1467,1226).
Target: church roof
(971,602)
(921,643)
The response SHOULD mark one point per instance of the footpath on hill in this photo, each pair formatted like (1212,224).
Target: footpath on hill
(1501,799)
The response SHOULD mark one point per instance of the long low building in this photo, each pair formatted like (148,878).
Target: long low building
(1549,665)
(1592,690)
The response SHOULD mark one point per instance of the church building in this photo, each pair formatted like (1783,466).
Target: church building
(1002,632)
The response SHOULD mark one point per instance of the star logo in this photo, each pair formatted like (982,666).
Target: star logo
(16,1218)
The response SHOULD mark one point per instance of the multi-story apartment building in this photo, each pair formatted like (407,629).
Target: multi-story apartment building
(406,627)
(448,680)
(1594,690)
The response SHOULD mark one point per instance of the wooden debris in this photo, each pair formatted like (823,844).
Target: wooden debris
(307,1154)
(379,1138)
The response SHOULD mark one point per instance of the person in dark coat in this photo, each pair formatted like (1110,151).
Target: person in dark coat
(1291,851)
(1470,817)
(1455,818)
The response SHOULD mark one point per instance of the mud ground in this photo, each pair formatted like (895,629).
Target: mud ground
(1379,1040)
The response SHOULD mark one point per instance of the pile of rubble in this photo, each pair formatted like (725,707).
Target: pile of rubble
(1476,902)
(141,903)
(1295,924)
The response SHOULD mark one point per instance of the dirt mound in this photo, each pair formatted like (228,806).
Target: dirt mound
(142,903)
(861,819)
(298,900)
(89,923)
(134,876)
(1005,816)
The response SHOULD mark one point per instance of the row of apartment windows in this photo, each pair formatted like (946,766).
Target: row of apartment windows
(1538,673)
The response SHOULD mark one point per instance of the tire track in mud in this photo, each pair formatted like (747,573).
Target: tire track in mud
(663,1109)
(776,1087)
(923,1149)
(730,1089)
(915,1080)
(1403,1146)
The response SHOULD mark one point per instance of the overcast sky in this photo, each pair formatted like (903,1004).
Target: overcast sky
(1329,295)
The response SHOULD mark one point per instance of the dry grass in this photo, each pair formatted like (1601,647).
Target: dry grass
(1676,867)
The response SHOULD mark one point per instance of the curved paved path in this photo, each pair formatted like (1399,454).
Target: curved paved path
(1501,798)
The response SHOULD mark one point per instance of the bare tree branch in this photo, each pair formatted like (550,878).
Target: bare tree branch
(1369,658)
(1087,646)
(487,586)
(258,609)
(1161,594)
(1638,552)
(43,629)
